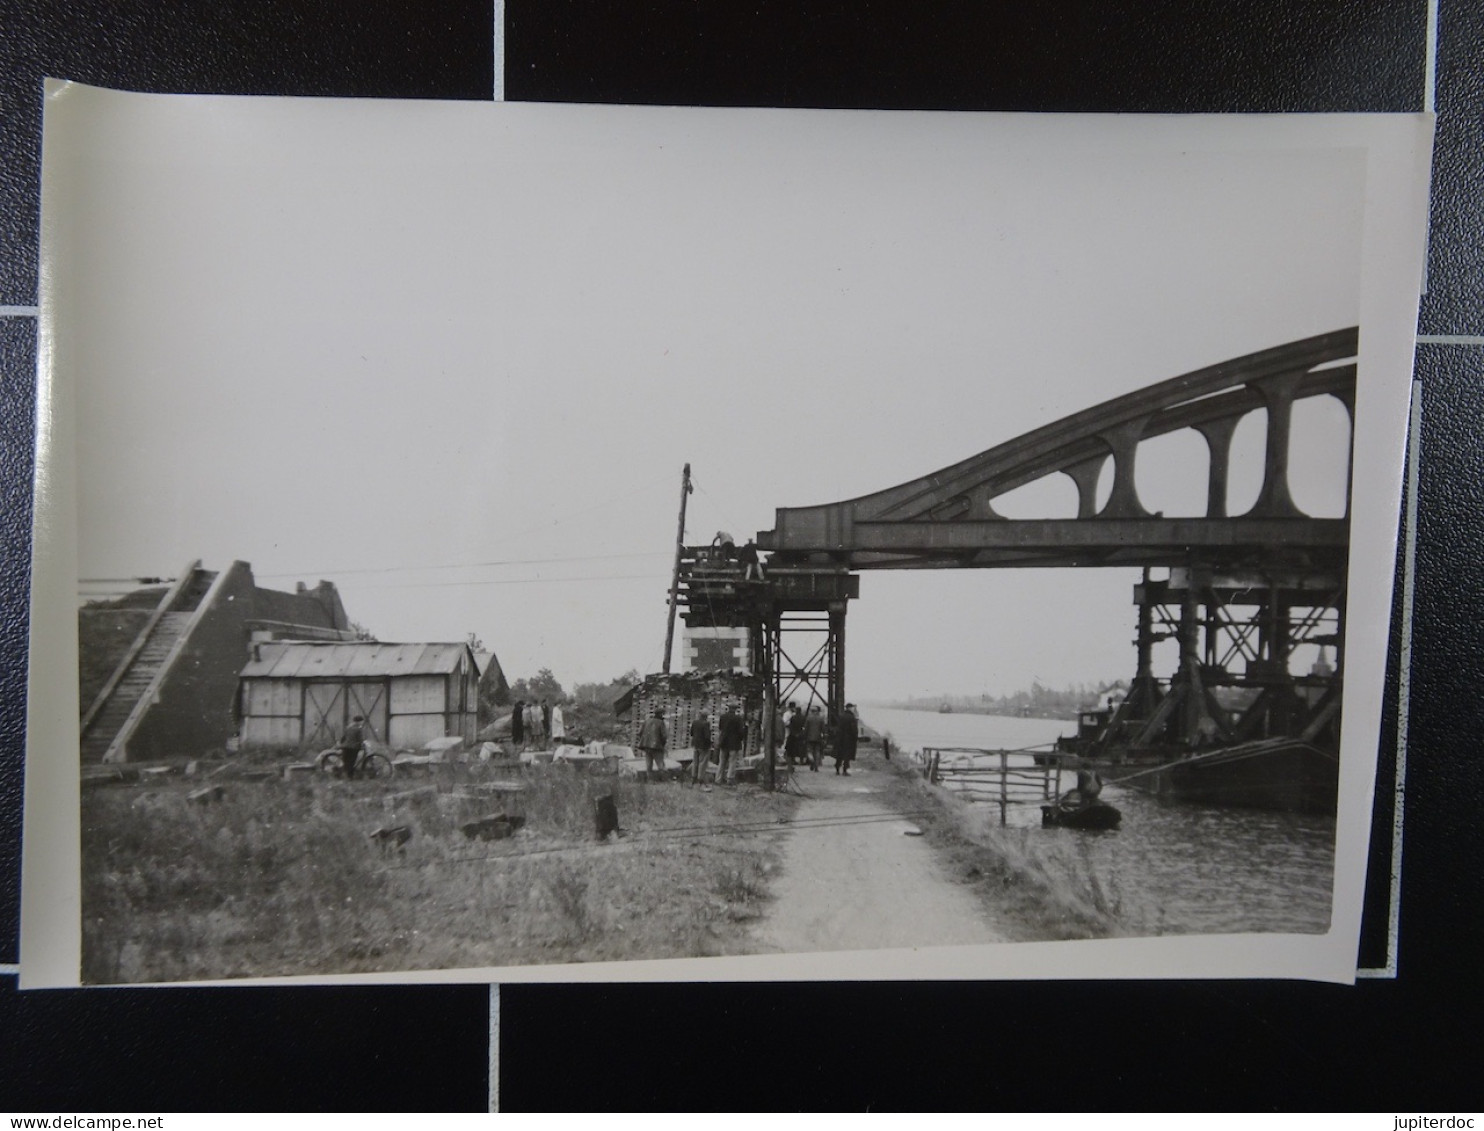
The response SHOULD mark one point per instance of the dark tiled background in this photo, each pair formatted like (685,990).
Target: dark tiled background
(1383,1044)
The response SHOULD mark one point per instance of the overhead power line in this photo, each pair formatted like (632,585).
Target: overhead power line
(464,565)
(511,581)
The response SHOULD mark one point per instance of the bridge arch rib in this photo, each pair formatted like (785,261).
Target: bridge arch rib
(948,519)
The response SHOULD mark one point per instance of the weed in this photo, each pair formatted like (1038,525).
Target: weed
(740,883)
(568,890)
(280,877)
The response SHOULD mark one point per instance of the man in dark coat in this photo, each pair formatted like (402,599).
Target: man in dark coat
(654,736)
(700,740)
(846,740)
(733,737)
(518,724)
(814,737)
(793,741)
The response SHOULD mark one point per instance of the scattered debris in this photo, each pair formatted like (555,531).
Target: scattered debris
(606,814)
(581,757)
(498,787)
(392,801)
(439,749)
(391,837)
(911,830)
(208,795)
(497,827)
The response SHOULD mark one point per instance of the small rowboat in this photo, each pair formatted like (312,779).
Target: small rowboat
(1088,815)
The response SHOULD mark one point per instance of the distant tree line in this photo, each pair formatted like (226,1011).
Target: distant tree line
(1037,701)
(588,708)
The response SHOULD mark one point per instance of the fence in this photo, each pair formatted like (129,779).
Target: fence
(1002,777)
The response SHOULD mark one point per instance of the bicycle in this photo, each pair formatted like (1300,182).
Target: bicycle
(369,763)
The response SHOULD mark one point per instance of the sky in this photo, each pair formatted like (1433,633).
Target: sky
(453,356)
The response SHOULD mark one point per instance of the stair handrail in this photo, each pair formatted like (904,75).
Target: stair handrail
(147,696)
(137,645)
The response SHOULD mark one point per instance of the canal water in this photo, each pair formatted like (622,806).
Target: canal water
(1169,868)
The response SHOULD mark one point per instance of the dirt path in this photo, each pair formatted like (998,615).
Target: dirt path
(859,881)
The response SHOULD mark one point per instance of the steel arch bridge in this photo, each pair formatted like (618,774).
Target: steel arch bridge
(948,519)
(1243,590)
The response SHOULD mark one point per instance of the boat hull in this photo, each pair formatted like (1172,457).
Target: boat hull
(1287,776)
(1098,815)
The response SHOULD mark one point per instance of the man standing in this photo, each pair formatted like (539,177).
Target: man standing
(558,725)
(733,738)
(700,740)
(653,738)
(752,567)
(814,738)
(352,742)
(793,742)
(518,725)
(846,740)
(533,726)
(546,731)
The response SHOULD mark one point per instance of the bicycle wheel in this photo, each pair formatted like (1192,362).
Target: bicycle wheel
(377,766)
(331,763)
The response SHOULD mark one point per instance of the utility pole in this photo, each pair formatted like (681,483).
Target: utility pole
(685,490)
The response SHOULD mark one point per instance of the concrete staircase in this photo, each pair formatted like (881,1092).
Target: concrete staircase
(124,699)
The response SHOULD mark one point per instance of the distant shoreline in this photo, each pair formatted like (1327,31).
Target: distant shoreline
(977,709)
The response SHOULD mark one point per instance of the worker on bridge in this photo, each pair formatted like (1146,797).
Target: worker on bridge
(752,568)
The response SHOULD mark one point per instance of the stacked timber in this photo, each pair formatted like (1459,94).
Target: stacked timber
(684,695)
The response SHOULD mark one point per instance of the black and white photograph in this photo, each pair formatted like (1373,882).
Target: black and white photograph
(583,543)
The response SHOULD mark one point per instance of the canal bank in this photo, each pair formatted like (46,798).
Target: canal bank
(1168,869)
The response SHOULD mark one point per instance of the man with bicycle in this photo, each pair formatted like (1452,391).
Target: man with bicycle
(351,744)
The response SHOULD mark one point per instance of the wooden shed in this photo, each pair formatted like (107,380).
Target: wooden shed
(305,694)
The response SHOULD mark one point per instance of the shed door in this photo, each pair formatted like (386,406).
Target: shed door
(370,700)
(324,714)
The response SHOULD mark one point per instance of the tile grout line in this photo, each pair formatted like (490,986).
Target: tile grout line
(499,57)
(1404,693)
(494,1038)
(1429,105)
(1450,339)
(1404,678)
(1430,81)
(19,311)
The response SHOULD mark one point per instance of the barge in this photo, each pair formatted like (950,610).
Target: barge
(1276,773)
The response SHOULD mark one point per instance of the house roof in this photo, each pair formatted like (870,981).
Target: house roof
(292,608)
(299,660)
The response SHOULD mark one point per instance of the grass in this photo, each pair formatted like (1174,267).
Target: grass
(282,877)
(1038,889)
